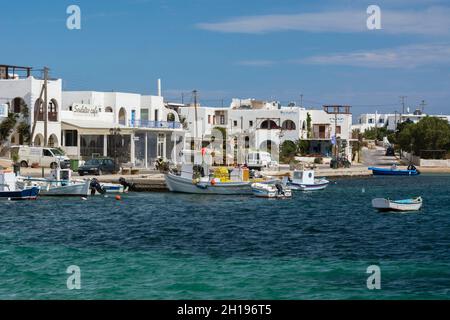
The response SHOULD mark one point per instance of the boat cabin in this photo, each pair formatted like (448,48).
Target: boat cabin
(303,177)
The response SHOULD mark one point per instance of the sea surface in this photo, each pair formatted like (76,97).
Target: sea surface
(175,246)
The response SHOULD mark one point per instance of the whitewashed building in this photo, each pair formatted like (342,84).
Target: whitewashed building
(133,128)
(369,121)
(19,88)
(262,125)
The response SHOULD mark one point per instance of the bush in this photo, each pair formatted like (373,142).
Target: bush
(318,160)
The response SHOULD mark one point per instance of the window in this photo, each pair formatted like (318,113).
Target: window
(338,129)
(156,115)
(47,153)
(222,119)
(209,119)
(370,120)
(250,123)
(381,120)
(144,114)
(71,138)
(235,123)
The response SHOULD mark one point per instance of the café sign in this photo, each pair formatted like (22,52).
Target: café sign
(85,108)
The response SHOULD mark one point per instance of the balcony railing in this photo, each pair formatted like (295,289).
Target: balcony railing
(154,124)
(321,135)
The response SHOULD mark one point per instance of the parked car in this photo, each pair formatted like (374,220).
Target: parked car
(390,152)
(44,157)
(97,167)
(260,159)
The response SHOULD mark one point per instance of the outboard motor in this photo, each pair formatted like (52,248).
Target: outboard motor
(279,188)
(127,185)
(95,186)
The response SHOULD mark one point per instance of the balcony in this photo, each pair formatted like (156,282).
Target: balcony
(321,135)
(154,124)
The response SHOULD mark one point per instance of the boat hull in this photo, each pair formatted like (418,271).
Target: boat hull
(390,172)
(323,184)
(262,190)
(183,185)
(26,194)
(72,190)
(399,206)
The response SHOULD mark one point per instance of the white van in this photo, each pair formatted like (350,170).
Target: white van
(45,157)
(260,159)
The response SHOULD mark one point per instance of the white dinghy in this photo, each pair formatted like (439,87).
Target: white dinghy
(414,204)
(271,190)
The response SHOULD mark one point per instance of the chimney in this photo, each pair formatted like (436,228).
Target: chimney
(159,88)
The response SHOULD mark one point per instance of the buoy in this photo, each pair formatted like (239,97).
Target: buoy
(118,198)
(213,182)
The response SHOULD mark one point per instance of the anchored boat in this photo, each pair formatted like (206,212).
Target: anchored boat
(196,179)
(9,191)
(414,204)
(271,190)
(59,184)
(394,171)
(304,180)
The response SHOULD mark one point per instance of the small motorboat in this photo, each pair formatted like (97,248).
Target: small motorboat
(8,190)
(271,190)
(394,171)
(413,204)
(304,180)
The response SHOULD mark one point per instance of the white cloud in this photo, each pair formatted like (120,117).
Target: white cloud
(401,57)
(431,21)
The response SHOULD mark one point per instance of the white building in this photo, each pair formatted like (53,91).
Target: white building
(148,130)
(132,128)
(391,120)
(17,91)
(262,125)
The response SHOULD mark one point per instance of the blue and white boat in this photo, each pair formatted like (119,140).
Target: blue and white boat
(413,204)
(394,171)
(304,180)
(8,190)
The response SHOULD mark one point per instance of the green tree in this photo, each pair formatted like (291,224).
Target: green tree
(431,133)
(308,125)
(288,151)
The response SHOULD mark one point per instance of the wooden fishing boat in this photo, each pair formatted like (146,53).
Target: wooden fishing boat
(413,204)
(187,181)
(304,180)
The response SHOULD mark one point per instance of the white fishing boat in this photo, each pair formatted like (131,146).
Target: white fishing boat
(271,190)
(59,183)
(304,180)
(413,204)
(192,179)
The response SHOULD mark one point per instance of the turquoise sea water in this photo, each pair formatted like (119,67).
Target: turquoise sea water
(174,246)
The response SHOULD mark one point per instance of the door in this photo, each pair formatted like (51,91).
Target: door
(47,158)
(161,146)
(133,117)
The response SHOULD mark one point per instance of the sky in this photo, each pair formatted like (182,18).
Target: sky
(271,50)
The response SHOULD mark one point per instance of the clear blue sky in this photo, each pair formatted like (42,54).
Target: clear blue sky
(226,48)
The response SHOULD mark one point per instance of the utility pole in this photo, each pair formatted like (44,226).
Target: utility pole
(196,114)
(403,103)
(46,69)
(301,100)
